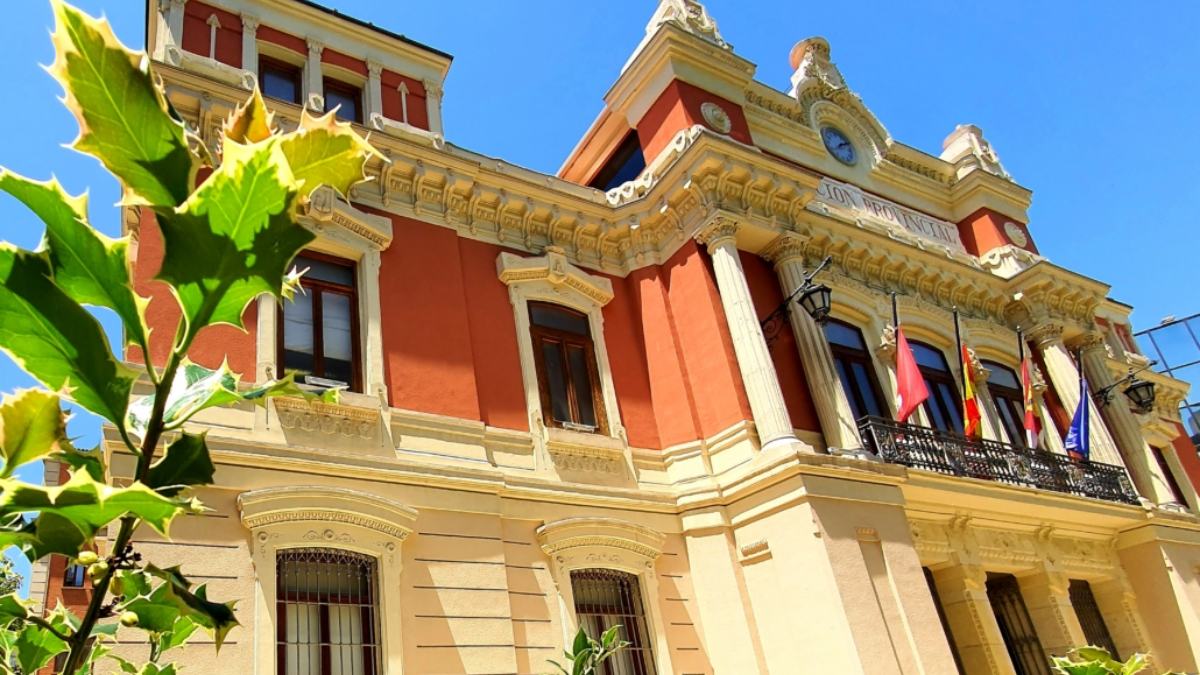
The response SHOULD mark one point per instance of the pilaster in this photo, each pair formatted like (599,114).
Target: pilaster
(1047,597)
(314,83)
(170,31)
(829,397)
(771,417)
(250,44)
(433,105)
(963,592)
(374,89)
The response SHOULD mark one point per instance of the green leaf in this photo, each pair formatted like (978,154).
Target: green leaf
(217,617)
(582,642)
(184,464)
(234,237)
(324,151)
(33,426)
(56,340)
(124,119)
(75,511)
(91,268)
(251,122)
(90,462)
(180,631)
(35,646)
(12,609)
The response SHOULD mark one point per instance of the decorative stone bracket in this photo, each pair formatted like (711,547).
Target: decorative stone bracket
(325,209)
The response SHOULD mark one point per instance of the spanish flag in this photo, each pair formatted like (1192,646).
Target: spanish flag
(1033,418)
(972,427)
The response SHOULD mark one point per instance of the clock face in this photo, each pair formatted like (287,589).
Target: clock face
(839,146)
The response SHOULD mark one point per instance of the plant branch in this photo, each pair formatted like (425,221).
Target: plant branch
(46,625)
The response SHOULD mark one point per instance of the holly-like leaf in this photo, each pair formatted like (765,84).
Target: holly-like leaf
(124,119)
(35,646)
(217,617)
(234,237)
(56,340)
(33,426)
(12,608)
(251,122)
(324,151)
(186,463)
(91,268)
(83,504)
(180,631)
(90,462)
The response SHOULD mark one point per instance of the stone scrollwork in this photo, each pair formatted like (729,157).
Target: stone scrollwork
(575,543)
(327,418)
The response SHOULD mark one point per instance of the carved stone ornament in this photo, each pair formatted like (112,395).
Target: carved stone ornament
(327,418)
(716,117)
(1015,234)
(555,269)
(573,543)
(326,209)
(323,513)
(689,15)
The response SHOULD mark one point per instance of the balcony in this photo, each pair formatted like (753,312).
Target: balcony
(932,450)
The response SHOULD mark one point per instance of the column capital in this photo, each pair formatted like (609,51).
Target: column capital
(1089,341)
(1046,333)
(174,3)
(249,25)
(786,248)
(720,231)
(315,47)
(374,68)
(432,88)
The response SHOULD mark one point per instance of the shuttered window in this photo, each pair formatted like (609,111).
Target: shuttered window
(606,598)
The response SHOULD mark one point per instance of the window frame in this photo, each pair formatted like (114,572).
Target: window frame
(80,576)
(843,358)
(949,411)
(641,647)
(349,90)
(1008,400)
(370,615)
(280,65)
(543,334)
(315,287)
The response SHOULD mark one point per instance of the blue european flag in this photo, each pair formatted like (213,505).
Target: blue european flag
(1077,443)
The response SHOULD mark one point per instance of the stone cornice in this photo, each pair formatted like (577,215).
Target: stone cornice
(556,270)
(316,504)
(562,535)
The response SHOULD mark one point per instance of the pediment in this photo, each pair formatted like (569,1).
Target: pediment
(826,99)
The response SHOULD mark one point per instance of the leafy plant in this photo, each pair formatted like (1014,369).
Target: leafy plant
(228,240)
(1097,661)
(587,653)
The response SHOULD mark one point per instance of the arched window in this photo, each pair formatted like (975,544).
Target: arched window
(327,611)
(1005,388)
(855,369)
(605,598)
(943,403)
(565,357)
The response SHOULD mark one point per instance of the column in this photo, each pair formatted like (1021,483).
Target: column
(1063,374)
(170,31)
(1143,470)
(250,44)
(963,592)
(829,397)
(314,83)
(433,104)
(1118,606)
(374,90)
(1047,597)
(758,371)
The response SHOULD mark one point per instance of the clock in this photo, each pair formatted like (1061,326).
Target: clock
(839,146)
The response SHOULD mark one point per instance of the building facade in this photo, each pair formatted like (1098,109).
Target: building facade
(564,406)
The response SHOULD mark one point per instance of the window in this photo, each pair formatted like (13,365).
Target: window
(941,612)
(943,403)
(73,576)
(606,598)
(1094,628)
(279,80)
(346,98)
(565,358)
(854,369)
(1005,387)
(1020,639)
(326,613)
(625,164)
(1165,467)
(318,329)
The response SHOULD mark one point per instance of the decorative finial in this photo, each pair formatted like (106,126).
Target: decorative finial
(689,15)
(968,151)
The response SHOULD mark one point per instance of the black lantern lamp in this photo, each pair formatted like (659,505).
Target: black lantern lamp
(816,301)
(1141,393)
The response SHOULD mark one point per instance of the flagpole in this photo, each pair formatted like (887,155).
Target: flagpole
(895,312)
(1020,345)
(962,368)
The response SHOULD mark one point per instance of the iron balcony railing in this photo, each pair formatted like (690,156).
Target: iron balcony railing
(933,450)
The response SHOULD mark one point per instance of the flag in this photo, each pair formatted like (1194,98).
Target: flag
(910,386)
(1033,419)
(972,421)
(1077,436)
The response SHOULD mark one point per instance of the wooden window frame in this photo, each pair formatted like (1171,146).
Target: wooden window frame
(369,616)
(542,334)
(330,84)
(283,66)
(850,355)
(315,287)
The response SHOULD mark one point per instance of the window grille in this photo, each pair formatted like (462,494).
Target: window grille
(1090,618)
(606,598)
(327,618)
(1020,638)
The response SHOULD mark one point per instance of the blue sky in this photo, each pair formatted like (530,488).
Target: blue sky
(1090,105)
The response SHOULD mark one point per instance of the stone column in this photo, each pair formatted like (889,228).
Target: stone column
(374,90)
(963,591)
(1118,606)
(758,371)
(170,31)
(829,397)
(250,44)
(1047,597)
(1143,470)
(433,105)
(992,427)
(314,82)
(1064,376)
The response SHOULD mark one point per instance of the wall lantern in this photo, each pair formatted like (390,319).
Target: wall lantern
(815,300)
(1139,392)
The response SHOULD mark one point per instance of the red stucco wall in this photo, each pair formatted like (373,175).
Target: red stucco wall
(197,33)
(678,107)
(983,231)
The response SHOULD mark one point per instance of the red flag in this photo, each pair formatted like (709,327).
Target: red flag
(910,386)
(1033,420)
(972,421)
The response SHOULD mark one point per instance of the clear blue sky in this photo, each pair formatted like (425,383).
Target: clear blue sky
(1091,105)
